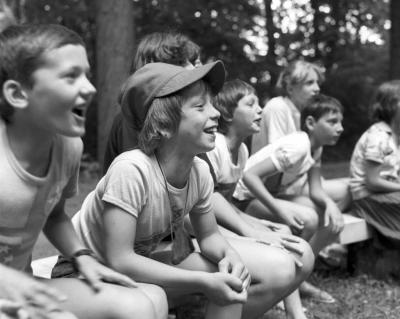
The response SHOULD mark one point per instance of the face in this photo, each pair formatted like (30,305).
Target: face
(199,122)
(61,91)
(301,93)
(328,128)
(247,115)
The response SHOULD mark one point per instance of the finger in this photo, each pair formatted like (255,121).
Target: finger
(292,247)
(51,293)
(326,219)
(247,282)
(92,279)
(42,302)
(291,239)
(117,278)
(223,266)
(299,221)
(234,283)
(238,270)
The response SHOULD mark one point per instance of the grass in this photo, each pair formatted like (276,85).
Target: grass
(358,297)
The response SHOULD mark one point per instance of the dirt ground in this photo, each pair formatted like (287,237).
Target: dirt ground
(358,297)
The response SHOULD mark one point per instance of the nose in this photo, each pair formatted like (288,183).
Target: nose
(316,87)
(88,89)
(258,109)
(340,128)
(214,113)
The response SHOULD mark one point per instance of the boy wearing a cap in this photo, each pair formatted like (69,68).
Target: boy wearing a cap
(146,193)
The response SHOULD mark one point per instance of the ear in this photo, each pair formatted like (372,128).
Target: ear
(165,134)
(309,123)
(15,94)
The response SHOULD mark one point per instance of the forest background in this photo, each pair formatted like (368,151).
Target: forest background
(356,41)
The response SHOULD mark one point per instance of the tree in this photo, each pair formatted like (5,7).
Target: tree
(114,51)
(395,39)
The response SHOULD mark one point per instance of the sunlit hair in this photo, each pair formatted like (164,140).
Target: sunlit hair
(164,116)
(386,101)
(318,106)
(227,100)
(167,47)
(22,51)
(296,73)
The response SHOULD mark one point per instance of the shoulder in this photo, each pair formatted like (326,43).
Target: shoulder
(132,160)
(70,148)
(276,104)
(296,141)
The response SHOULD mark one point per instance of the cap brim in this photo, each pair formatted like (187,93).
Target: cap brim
(212,73)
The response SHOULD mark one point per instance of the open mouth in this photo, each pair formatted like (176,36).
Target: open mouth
(211,130)
(79,111)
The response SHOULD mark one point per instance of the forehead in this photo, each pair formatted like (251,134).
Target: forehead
(70,55)
(333,114)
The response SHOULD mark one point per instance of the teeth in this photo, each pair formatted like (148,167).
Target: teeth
(211,130)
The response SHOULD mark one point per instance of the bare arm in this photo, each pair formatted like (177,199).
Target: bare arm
(375,182)
(120,255)
(61,233)
(332,214)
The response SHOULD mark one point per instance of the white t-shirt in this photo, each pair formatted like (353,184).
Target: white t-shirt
(135,184)
(226,172)
(291,155)
(27,200)
(279,117)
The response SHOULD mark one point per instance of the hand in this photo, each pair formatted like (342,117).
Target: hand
(270,225)
(24,297)
(94,272)
(224,289)
(289,243)
(232,264)
(293,221)
(333,216)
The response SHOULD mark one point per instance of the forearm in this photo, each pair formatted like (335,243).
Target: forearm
(381,185)
(228,217)
(148,270)
(215,247)
(60,232)
(257,188)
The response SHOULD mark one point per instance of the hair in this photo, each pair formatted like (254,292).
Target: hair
(164,116)
(386,101)
(318,106)
(168,47)
(227,100)
(296,73)
(22,50)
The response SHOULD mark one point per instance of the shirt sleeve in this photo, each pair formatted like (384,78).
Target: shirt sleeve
(205,189)
(290,151)
(377,146)
(125,186)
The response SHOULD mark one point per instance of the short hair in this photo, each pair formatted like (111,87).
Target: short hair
(386,101)
(167,47)
(296,73)
(22,48)
(164,115)
(318,106)
(227,99)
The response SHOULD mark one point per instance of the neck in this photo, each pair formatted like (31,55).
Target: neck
(31,147)
(233,141)
(314,143)
(176,165)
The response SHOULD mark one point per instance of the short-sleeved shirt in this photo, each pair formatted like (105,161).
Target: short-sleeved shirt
(226,172)
(27,200)
(291,155)
(134,183)
(377,144)
(279,117)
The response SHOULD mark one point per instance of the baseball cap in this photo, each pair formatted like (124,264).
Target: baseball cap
(161,79)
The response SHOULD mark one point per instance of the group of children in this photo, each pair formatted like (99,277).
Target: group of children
(182,208)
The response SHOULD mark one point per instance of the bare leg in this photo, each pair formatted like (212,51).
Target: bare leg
(112,301)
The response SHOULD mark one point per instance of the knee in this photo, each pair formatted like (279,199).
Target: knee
(131,305)
(281,269)
(158,298)
(311,221)
(307,259)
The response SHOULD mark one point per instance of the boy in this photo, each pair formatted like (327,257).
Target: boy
(43,101)
(298,156)
(146,192)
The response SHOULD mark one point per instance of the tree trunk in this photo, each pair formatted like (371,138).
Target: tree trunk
(271,54)
(114,53)
(395,39)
